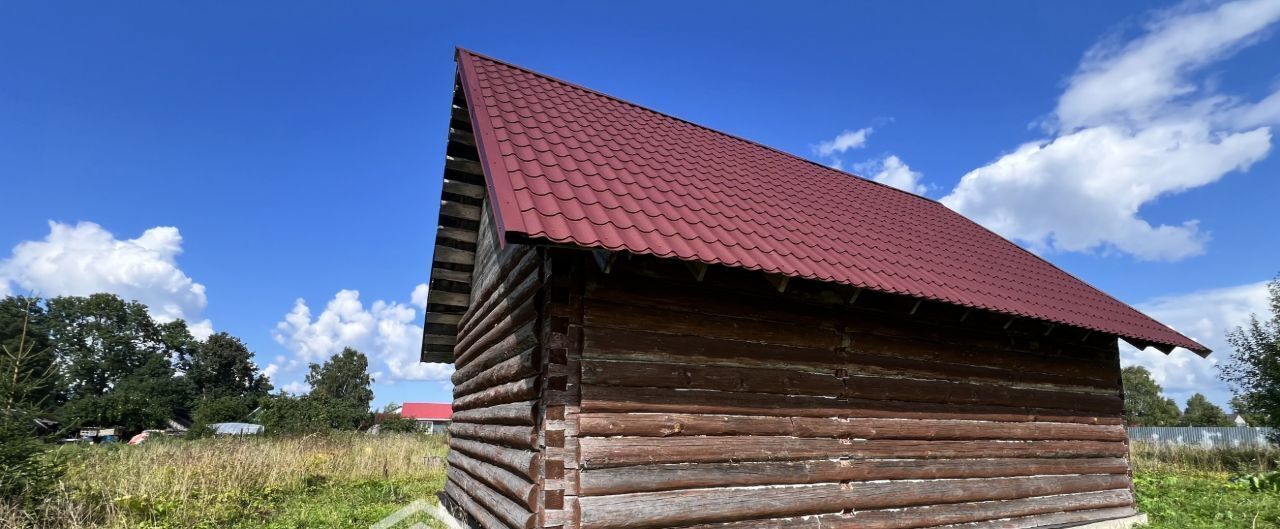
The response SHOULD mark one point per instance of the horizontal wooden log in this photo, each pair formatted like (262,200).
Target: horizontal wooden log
(441,297)
(513,436)
(509,266)
(457,234)
(504,299)
(639,345)
(449,208)
(501,329)
(504,508)
(515,413)
(522,462)
(449,254)
(597,452)
(519,340)
(478,512)
(463,165)
(516,307)
(1062,519)
(936,515)
(662,400)
(687,507)
(502,394)
(800,382)
(460,113)
(462,136)
(523,365)
(465,189)
(677,424)
(501,480)
(660,477)
(677,292)
(639,318)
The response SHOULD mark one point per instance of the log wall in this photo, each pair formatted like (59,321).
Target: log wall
(495,461)
(726,403)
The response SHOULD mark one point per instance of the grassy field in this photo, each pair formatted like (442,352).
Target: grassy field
(1190,488)
(260,483)
(355,480)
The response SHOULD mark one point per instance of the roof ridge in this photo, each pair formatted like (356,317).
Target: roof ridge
(704,127)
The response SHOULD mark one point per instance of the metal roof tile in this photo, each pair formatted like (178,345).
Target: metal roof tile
(578,167)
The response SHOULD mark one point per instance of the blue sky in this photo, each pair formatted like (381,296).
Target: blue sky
(222,161)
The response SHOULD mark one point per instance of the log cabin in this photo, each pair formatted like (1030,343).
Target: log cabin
(656,324)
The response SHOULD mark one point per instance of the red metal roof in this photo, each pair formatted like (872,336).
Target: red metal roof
(427,410)
(571,165)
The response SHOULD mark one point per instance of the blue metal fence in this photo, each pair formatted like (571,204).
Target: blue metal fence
(1207,437)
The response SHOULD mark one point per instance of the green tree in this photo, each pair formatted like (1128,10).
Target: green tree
(1144,400)
(25,374)
(222,366)
(1201,412)
(116,362)
(1254,368)
(30,373)
(282,414)
(343,378)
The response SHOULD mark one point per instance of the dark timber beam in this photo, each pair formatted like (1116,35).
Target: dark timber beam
(462,196)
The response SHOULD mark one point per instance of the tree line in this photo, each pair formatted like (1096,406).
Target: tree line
(99,360)
(1252,372)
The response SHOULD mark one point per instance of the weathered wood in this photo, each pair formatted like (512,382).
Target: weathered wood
(703,303)
(519,340)
(653,346)
(473,508)
(451,275)
(450,208)
(935,515)
(504,508)
(512,485)
(796,382)
(449,254)
(1062,519)
(515,413)
(513,436)
(496,286)
(523,462)
(458,234)
(514,308)
(463,165)
(662,400)
(622,451)
(668,424)
(464,137)
(523,365)
(687,507)
(660,477)
(468,349)
(510,392)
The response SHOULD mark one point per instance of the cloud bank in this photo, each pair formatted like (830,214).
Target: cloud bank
(84,259)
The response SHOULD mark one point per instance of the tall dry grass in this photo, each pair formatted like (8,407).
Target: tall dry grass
(1153,457)
(196,483)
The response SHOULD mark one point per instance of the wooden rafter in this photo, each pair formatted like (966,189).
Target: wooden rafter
(453,261)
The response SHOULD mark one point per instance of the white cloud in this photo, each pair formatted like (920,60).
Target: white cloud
(1206,316)
(849,139)
(296,388)
(419,296)
(892,171)
(1141,79)
(84,259)
(1131,126)
(390,333)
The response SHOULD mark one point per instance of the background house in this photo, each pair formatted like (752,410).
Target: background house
(432,417)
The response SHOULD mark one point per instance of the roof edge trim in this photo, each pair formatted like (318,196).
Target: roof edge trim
(506,212)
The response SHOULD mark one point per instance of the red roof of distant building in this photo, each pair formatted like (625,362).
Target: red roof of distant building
(571,165)
(427,410)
